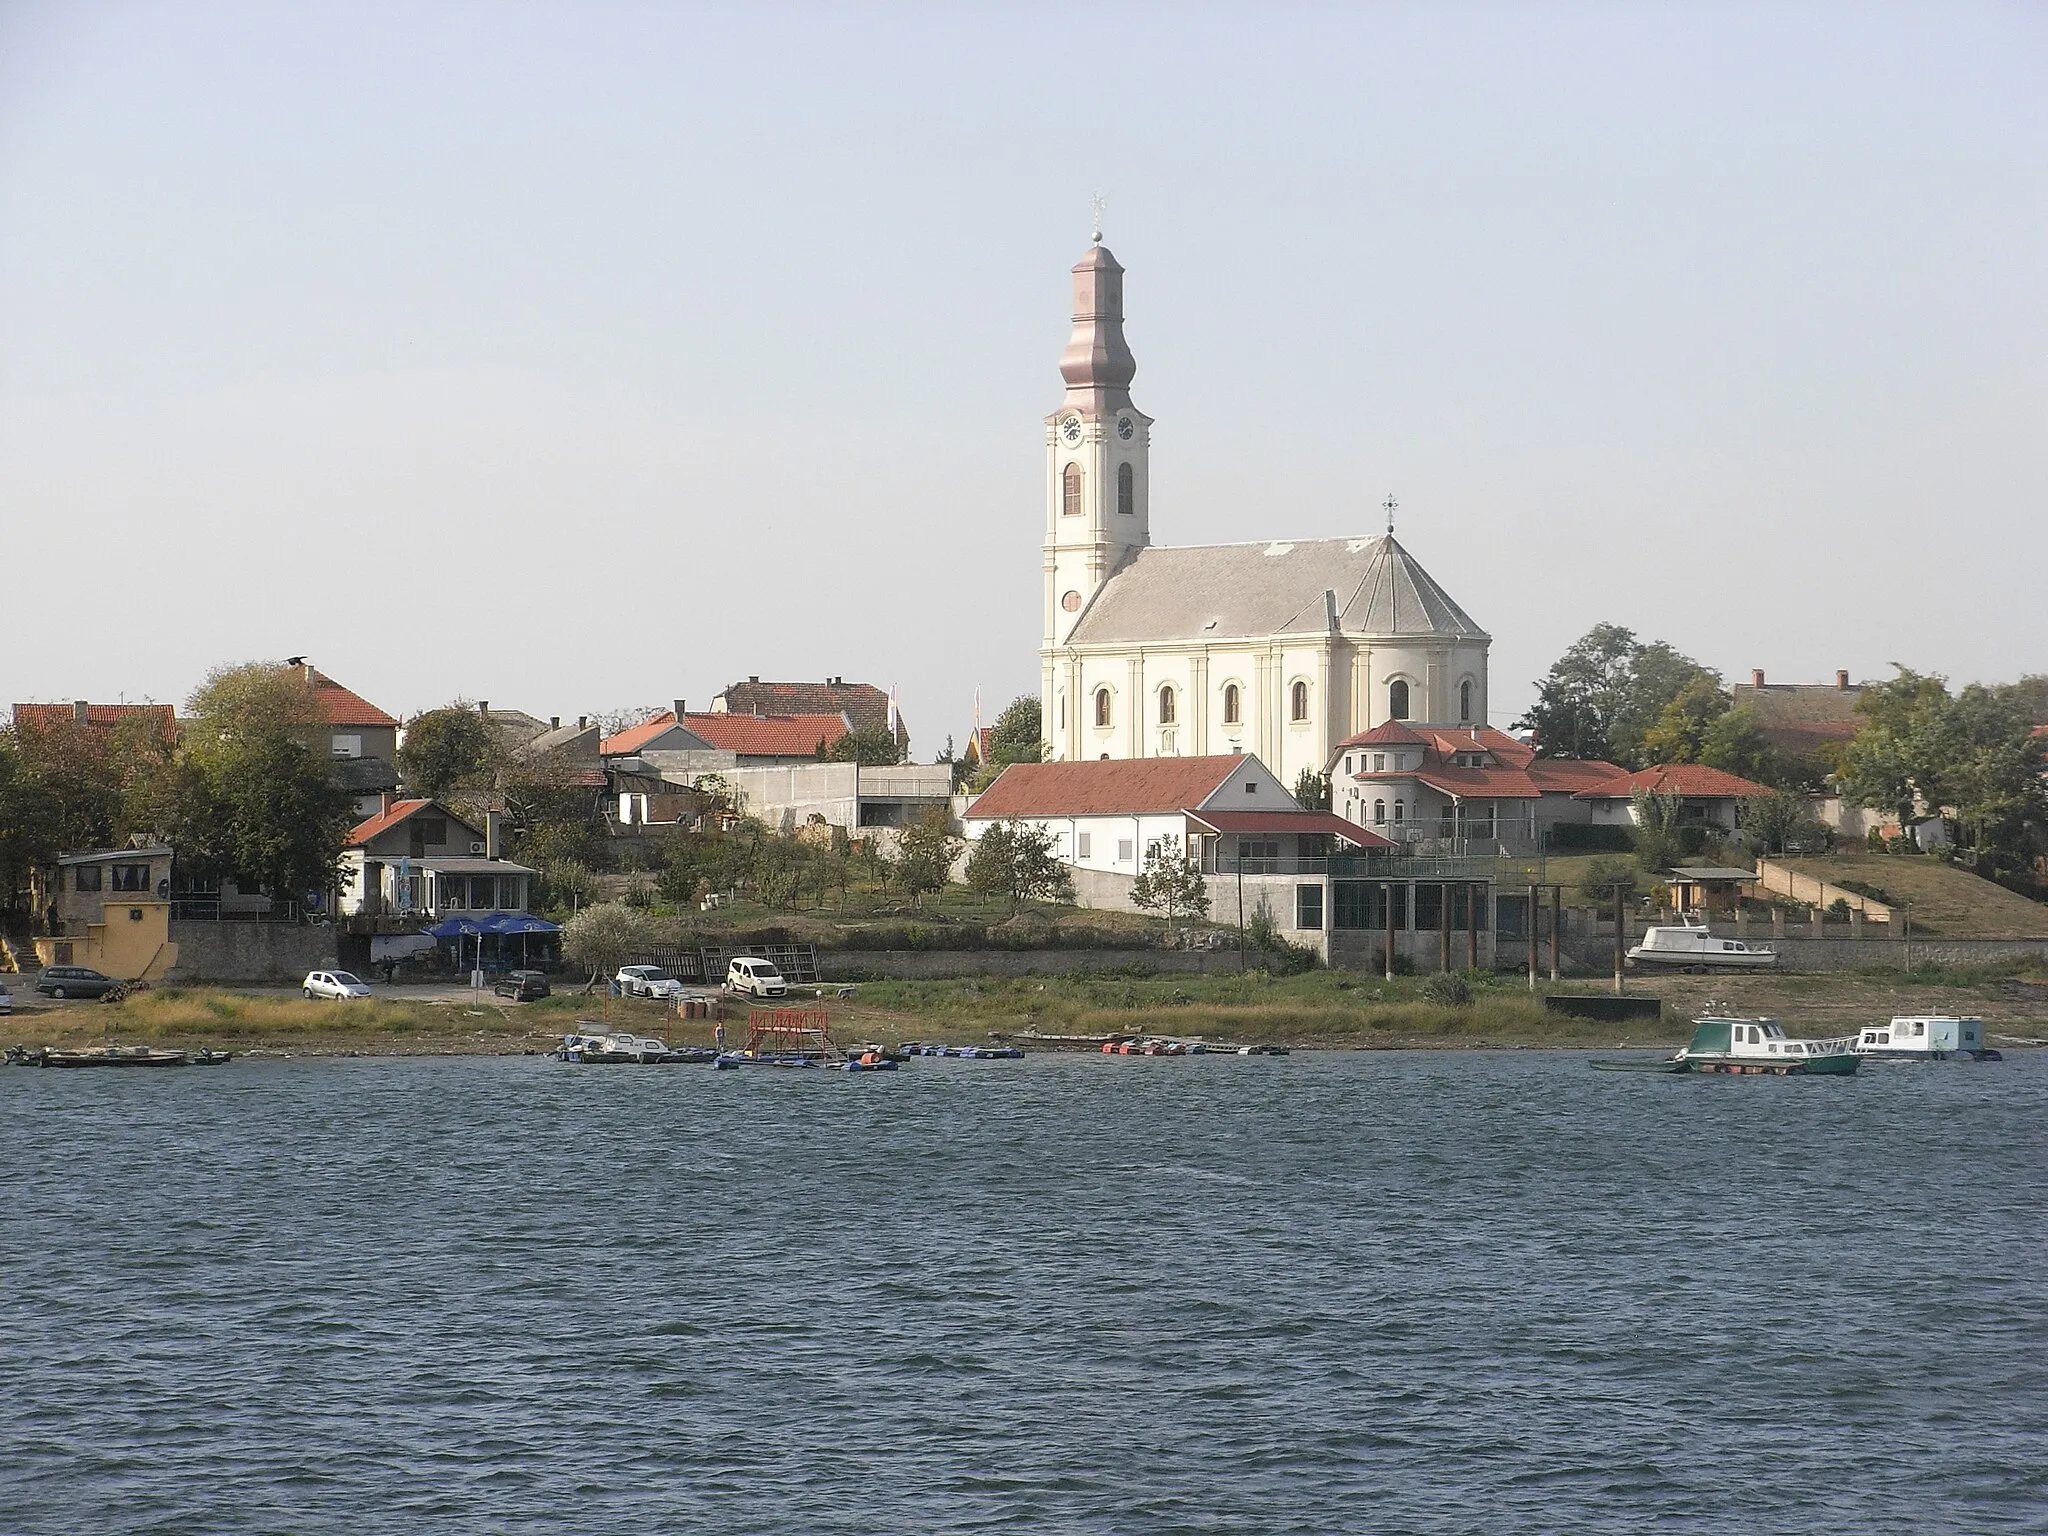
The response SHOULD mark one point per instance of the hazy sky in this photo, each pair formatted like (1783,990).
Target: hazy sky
(581,355)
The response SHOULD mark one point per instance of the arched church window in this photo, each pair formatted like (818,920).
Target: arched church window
(1063,711)
(1399,805)
(1126,489)
(1465,701)
(1070,490)
(1297,702)
(1166,705)
(1379,813)
(1397,703)
(1232,711)
(1102,706)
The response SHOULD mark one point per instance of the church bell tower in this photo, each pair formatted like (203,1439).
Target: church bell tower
(1096,485)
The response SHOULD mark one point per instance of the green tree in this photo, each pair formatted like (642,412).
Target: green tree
(1604,697)
(604,937)
(1171,883)
(1679,733)
(1772,818)
(29,820)
(1312,790)
(1656,830)
(1902,753)
(1734,743)
(255,798)
(875,748)
(448,749)
(925,862)
(1016,861)
(1016,737)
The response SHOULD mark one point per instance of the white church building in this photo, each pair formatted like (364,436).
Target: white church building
(1283,650)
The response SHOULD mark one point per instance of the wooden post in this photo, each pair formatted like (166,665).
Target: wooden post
(1443,925)
(1387,916)
(1472,925)
(1556,927)
(1620,934)
(1535,916)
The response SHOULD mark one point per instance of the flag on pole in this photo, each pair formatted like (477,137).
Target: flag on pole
(892,710)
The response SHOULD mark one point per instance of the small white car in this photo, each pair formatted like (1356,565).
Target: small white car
(647,981)
(338,986)
(755,978)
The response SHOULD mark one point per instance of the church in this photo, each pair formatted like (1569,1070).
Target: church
(1283,649)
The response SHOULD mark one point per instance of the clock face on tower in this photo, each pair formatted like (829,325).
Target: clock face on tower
(1070,429)
(1124,429)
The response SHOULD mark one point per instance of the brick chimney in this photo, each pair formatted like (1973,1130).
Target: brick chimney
(554,722)
(682,709)
(483,709)
(80,711)
(385,808)
(494,834)
(1842,681)
(1756,678)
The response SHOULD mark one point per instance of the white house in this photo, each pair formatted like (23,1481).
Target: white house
(1277,649)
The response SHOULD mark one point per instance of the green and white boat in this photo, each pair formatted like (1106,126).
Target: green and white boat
(1744,1046)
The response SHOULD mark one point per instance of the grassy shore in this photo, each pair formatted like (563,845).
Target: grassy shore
(1329,1009)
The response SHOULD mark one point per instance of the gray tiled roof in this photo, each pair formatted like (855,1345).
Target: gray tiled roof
(1237,591)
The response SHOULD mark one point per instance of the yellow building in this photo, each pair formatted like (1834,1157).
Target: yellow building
(130,942)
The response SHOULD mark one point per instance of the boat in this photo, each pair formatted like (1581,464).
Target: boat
(114,1056)
(1692,946)
(1746,1046)
(612,1048)
(1925,1037)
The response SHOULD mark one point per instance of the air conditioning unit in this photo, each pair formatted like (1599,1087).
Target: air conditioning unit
(476,847)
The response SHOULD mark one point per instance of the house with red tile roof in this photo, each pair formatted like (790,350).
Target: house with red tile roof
(715,740)
(361,738)
(417,859)
(1472,786)
(1705,795)
(31,718)
(867,709)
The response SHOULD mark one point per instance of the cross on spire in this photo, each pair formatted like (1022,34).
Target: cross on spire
(1390,504)
(1098,203)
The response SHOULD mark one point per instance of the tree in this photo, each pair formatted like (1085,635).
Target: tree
(1679,733)
(1734,743)
(1607,693)
(28,819)
(448,749)
(874,748)
(1656,819)
(602,938)
(927,850)
(1901,753)
(254,797)
(1171,883)
(1312,790)
(1016,737)
(1016,861)
(1772,818)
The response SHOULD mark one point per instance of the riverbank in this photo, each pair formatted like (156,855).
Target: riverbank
(1332,1010)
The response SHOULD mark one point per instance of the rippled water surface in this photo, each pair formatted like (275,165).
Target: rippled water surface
(1384,1292)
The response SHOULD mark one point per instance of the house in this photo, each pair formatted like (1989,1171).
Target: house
(158,720)
(1706,796)
(716,741)
(109,910)
(1808,722)
(361,738)
(867,709)
(416,859)
(860,798)
(1708,888)
(1231,813)
(1460,786)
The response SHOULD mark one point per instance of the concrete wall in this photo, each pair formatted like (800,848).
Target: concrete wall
(936,964)
(272,952)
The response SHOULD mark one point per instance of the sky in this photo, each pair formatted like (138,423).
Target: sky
(583,356)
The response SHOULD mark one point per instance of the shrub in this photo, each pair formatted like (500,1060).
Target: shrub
(1447,989)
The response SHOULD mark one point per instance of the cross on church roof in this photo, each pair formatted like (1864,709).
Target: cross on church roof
(1098,203)
(1390,504)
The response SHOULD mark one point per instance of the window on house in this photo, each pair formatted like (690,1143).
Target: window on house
(1102,706)
(1070,490)
(1232,712)
(1398,806)
(1379,762)
(1123,850)
(1379,813)
(1397,700)
(1297,703)
(348,746)
(1347,765)
(1084,845)
(88,877)
(1258,856)
(433,830)
(1308,907)
(1166,706)
(1464,701)
(1126,490)
(131,877)
(1252,787)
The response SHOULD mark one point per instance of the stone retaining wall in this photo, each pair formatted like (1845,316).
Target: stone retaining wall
(269,952)
(940,964)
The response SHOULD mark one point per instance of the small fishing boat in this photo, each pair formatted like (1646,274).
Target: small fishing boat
(1745,1046)
(1693,947)
(114,1056)
(1925,1037)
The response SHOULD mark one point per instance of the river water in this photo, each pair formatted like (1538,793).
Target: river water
(1329,1293)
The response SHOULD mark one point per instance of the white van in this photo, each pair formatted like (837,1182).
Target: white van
(756,978)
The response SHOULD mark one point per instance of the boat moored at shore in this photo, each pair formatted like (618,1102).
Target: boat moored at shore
(1925,1037)
(1694,947)
(1741,1047)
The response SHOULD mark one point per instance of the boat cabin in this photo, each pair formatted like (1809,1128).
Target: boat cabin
(1692,946)
(1922,1037)
(1757,1040)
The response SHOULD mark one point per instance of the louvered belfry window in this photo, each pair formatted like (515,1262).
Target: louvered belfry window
(1070,490)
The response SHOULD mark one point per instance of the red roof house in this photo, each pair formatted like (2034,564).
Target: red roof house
(747,739)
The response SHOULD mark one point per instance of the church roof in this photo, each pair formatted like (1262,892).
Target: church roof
(1373,587)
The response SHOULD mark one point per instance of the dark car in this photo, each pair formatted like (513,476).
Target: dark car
(522,986)
(74,981)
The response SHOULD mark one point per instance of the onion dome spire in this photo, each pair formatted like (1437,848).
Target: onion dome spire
(1097,364)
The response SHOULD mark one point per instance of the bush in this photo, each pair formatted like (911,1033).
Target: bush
(1570,837)
(1447,989)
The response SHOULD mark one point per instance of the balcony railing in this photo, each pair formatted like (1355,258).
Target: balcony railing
(1359,866)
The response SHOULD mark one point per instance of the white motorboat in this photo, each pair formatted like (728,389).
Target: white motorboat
(1693,947)
(1925,1037)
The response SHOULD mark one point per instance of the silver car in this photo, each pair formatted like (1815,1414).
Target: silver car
(338,986)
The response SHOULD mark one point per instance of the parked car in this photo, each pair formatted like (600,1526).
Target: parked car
(755,977)
(6,1001)
(647,981)
(339,986)
(522,986)
(74,981)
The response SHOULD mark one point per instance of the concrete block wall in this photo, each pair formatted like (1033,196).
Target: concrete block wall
(279,953)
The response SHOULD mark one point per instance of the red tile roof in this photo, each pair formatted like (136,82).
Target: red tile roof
(1388,733)
(384,821)
(1515,772)
(1497,783)
(1694,781)
(863,703)
(1283,822)
(1121,787)
(746,735)
(339,706)
(43,717)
